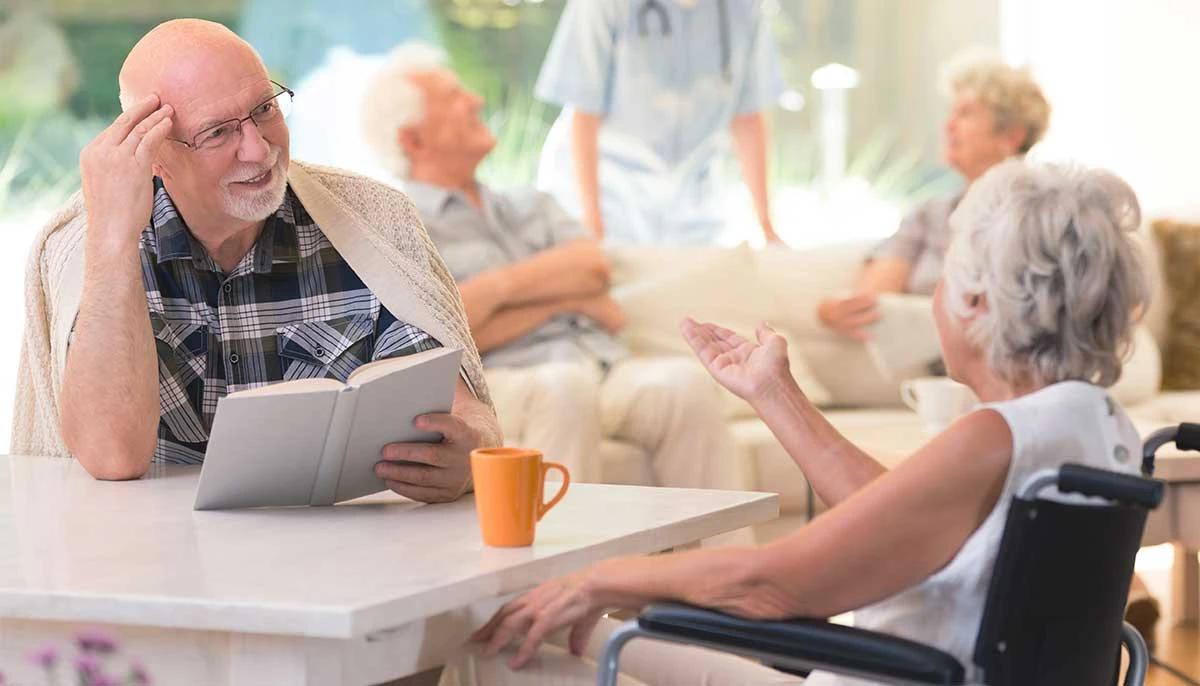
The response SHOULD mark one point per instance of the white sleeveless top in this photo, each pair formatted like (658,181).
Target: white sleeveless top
(1070,421)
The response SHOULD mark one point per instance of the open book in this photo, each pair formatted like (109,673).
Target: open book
(316,441)
(904,342)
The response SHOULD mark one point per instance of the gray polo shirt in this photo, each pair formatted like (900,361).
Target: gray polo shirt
(922,240)
(513,226)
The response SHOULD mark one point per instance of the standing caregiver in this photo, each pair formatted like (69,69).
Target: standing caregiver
(652,91)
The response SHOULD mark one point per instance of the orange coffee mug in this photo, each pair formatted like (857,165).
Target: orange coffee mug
(509,493)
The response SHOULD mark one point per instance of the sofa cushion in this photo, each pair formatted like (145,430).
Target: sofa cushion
(1180,244)
(799,279)
(852,373)
(1171,407)
(658,287)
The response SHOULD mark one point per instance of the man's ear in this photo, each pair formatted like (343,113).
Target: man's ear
(410,140)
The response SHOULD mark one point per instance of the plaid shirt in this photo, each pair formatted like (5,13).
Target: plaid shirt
(291,309)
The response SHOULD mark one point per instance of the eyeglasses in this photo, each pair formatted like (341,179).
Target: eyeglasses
(274,108)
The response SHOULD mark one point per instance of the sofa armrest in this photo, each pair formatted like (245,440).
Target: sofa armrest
(806,644)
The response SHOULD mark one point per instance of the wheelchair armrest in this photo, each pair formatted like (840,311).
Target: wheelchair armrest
(1188,437)
(1125,488)
(806,644)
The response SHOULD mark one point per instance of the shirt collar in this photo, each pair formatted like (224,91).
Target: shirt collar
(432,200)
(277,243)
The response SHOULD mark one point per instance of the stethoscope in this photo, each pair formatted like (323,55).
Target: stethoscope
(664,28)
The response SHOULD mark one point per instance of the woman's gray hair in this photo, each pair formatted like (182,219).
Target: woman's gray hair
(392,102)
(1049,248)
(1009,92)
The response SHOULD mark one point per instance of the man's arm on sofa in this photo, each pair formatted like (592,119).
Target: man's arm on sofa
(509,324)
(573,270)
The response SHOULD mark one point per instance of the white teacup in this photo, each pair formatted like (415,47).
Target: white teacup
(937,400)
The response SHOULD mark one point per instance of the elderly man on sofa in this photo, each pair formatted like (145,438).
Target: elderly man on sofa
(535,287)
(197,253)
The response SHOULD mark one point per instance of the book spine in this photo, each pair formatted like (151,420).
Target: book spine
(329,472)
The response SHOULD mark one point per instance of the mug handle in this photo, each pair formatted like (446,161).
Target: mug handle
(543,508)
(909,396)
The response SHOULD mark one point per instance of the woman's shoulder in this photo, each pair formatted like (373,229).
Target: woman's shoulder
(1069,421)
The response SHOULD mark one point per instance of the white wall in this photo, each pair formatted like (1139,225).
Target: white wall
(1121,76)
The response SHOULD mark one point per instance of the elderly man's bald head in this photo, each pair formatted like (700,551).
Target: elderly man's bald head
(212,80)
(176,56)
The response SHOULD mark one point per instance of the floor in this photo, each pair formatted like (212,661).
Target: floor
(1178,645)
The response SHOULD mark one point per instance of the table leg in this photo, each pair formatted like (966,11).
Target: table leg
(1185,585)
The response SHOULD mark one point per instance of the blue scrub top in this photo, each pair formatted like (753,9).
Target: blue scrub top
(667,100)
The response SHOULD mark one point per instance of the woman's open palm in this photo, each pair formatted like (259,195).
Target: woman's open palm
(747,368)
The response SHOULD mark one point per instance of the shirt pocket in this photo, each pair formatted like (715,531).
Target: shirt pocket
(182,349)
(329,348)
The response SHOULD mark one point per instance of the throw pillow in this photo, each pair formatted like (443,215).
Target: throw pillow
(1180,243)
(658,287)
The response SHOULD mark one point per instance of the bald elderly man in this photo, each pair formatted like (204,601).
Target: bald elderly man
(215,264)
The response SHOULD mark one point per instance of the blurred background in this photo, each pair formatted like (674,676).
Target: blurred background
(848,157)
(59,61)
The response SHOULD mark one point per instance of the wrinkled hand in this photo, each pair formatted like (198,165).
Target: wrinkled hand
(529,619)
(116,170)
(431,472)
(748,369)
(850,316)
(604,311)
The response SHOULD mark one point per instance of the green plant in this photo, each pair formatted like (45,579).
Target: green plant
(520,124)
(38,162)
(895,174)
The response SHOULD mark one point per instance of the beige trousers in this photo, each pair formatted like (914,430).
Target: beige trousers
(667,406)
(643,663)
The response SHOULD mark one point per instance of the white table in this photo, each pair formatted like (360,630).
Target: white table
(354,594)
(892,436)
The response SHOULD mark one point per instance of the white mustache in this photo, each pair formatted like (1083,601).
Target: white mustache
(253,172)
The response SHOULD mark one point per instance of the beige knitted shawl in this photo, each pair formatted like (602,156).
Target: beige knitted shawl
(375,228)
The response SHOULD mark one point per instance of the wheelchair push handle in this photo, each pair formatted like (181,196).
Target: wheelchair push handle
(1125,488)
(1188,437)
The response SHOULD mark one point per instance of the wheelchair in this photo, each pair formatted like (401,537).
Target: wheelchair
(1053,616)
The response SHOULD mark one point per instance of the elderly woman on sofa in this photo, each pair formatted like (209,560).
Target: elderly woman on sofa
(1033,313)
(997,111)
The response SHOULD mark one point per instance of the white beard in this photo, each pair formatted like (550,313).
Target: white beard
(262,204)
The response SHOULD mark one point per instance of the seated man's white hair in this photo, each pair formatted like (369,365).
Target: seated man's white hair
(391,102)
(1049,247)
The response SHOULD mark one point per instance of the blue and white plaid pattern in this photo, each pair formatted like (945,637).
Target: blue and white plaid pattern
(291,309)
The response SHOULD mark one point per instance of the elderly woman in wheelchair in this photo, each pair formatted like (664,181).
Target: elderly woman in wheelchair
(1034,314)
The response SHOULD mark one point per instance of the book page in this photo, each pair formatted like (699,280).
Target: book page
(287,387)
(386,406)
(380,368)
(265,449)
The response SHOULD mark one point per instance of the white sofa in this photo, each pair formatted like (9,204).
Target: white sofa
(739,287)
